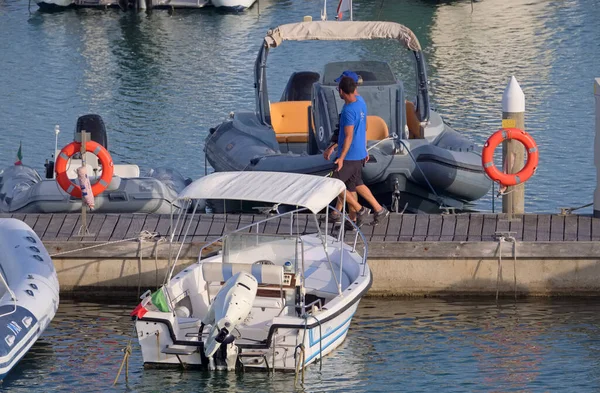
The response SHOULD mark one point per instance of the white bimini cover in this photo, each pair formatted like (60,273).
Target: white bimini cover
(311,192)
(342,31)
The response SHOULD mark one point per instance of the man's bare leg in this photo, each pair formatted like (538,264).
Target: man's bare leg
(365,192)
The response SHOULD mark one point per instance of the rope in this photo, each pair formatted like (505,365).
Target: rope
(13,297)
(500,241)
(144,235)
(125,361)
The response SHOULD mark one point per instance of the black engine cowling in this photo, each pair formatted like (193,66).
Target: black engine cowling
(95,126)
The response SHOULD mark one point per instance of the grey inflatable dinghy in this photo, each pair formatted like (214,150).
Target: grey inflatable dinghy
(416,160)
(23,190)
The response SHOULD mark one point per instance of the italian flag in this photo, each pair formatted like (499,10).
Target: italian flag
(155,302)
(19,156)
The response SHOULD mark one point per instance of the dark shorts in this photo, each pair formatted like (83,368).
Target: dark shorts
(351,174)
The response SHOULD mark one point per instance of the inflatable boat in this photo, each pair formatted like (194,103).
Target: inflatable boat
(416,161)
(29,291)
(23,190)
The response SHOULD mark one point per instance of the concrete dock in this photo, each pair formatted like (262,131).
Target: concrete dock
(417,255)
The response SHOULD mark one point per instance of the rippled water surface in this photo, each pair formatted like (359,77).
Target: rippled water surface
(162,80)
(393,345)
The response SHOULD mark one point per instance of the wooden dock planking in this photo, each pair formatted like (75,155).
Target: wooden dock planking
(42,224)
(68,226)
(516,226)
(448,228)
(434,231)
(557,228)
(31,219)
(584,228)
(530,222)
(95,223)
(543,229)
(570,233)
(107,228)
(475,227)
(404,228)
(489,228)
(56,222)
(421,225)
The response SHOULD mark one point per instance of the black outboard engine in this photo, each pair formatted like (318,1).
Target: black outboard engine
(95,126)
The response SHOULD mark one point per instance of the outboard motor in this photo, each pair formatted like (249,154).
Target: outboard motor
(230,307)
(95,126)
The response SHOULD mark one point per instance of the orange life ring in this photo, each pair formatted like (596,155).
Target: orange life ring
(61,168)
(487,156)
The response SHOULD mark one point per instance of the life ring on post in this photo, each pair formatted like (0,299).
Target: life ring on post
(487,156)
(61,168)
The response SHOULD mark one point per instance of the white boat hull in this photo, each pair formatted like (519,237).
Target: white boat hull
(31,276)
(235,5)
(167,339)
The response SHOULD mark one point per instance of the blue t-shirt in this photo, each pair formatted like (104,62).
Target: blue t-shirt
(354,114)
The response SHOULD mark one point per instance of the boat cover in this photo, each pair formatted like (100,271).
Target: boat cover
(342,31)
(311,192)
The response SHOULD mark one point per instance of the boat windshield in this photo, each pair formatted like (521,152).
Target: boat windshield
(260,248)
(371,72)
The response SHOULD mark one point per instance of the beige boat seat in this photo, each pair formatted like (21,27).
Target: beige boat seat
(126,170)
(377,128)
(289,120)
(221,272)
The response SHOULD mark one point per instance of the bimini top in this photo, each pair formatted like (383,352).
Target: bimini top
(311,192)
(342,31)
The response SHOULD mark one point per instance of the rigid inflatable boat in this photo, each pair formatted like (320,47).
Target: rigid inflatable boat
(416,160)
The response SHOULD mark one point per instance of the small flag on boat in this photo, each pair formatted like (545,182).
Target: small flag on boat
(19,156)
(343,5)
(156,302)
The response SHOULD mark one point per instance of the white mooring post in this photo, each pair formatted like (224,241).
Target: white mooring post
(597,149)
(513,152)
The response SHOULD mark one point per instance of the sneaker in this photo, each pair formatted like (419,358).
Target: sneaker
(334,217)
(361,215)
(381,215)
(348,227)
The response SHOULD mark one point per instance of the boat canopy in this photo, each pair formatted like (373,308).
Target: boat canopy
(342,31)
(311,192)
(339,31)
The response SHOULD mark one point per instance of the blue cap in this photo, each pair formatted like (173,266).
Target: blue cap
(350,74)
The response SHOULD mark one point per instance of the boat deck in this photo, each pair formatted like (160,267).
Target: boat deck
(398,228)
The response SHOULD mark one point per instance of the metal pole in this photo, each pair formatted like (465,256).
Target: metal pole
(84,229)
(513,152)
(597,149)
(351,10)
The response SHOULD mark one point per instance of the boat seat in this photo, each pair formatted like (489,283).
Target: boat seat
(412,121)
(189,323)
(126,170)
(377,128)
(289,120)
(221,272)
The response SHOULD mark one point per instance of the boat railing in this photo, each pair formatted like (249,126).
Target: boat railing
(180,222)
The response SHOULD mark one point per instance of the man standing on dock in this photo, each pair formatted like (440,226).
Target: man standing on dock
(353,154)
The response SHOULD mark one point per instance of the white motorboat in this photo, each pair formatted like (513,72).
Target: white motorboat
(55,5)
(29,291)
(272,302)
(233,5)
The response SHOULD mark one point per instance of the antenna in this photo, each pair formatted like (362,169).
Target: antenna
(324,12)
(56,132)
